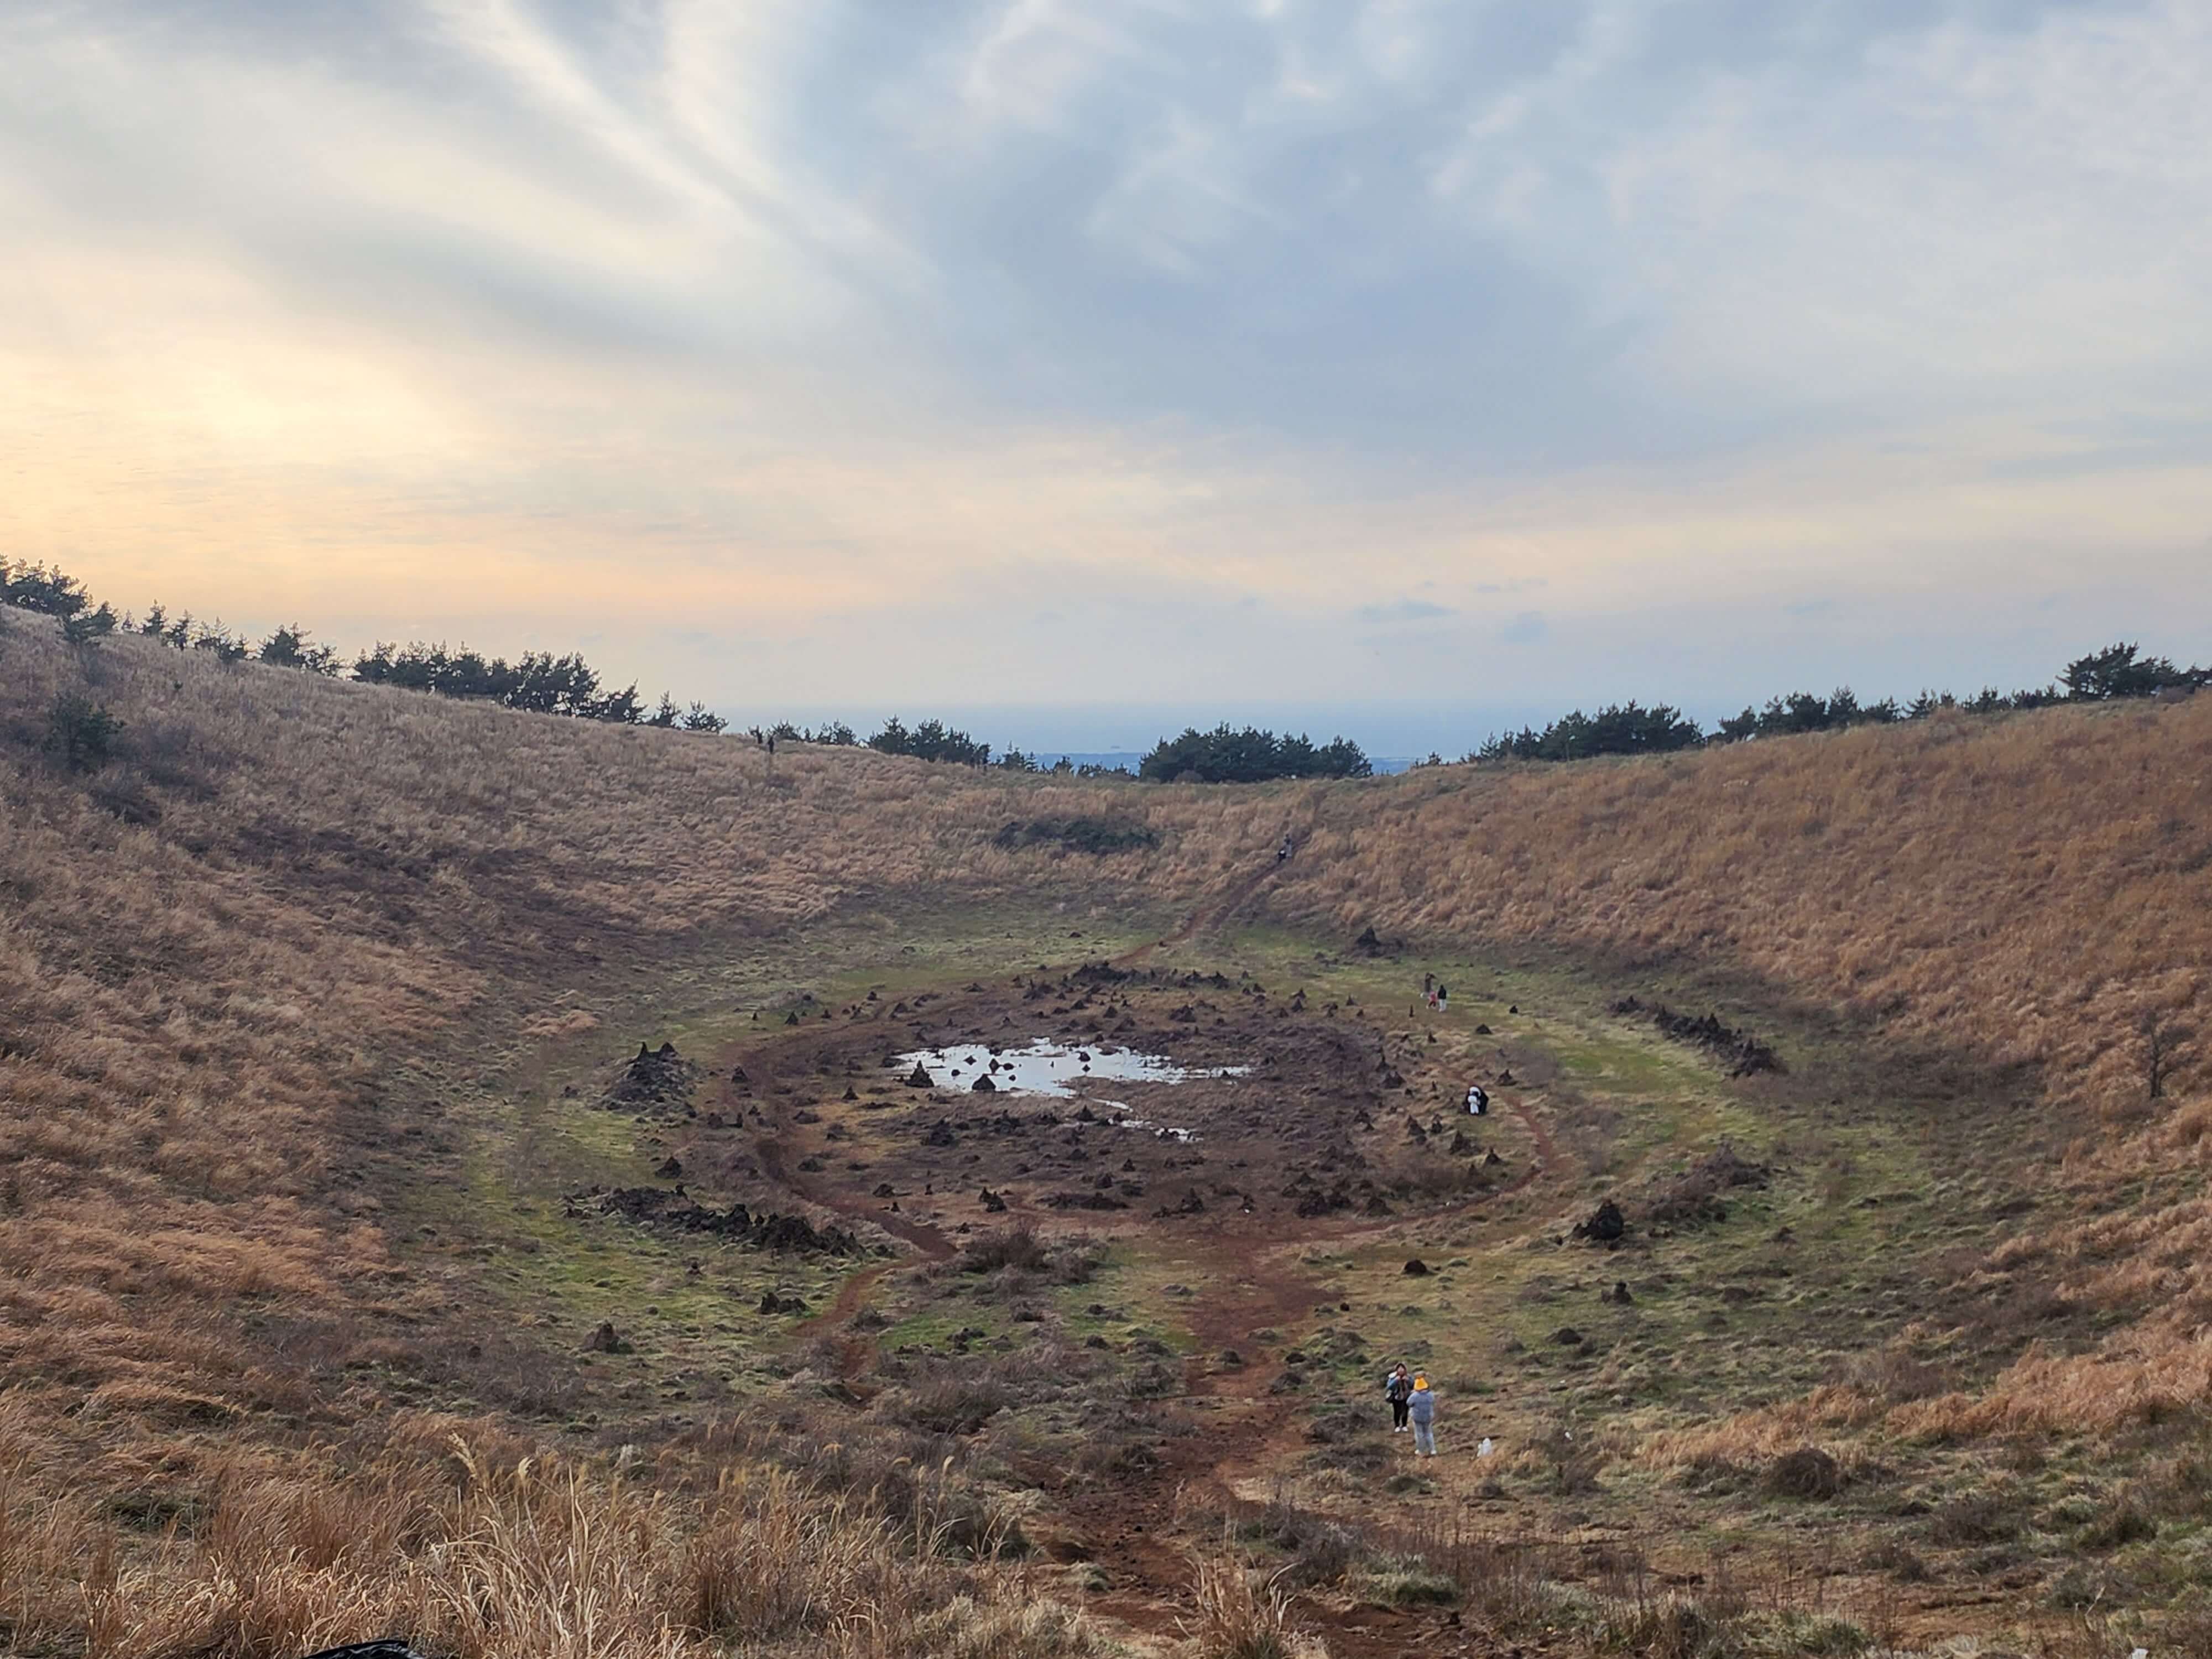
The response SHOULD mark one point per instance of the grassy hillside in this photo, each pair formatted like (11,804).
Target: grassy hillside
(308,989)
(2028,898)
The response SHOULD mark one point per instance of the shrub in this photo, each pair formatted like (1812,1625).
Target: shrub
(1406,1581)
(34,587)
(289,648)
(931,740)
(1080,834)
(2119,671)
(80,732)
(1017,1247)
(1573,1462)
(1321,1550)
(1238,1619)
(1980,1518)
(1251,755)
(958,1403)
(1617,729)
(1809,1472)
(834,734)
(219,642)
(89,625)
(2124,1521)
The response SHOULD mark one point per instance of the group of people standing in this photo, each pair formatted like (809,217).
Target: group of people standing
(1412,1405)
(1438,995)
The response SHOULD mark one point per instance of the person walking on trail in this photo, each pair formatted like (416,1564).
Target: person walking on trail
(1283,852)
(1421,1406)
(1398,1389)
(1478,1102)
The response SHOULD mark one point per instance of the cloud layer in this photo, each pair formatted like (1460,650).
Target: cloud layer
(1044,350)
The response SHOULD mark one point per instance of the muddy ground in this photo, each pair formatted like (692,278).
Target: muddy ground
(1333,1114)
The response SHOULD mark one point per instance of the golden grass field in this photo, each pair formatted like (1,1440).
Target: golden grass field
(245,966)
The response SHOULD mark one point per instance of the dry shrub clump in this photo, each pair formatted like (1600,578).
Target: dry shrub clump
(1240,1616)
(486,1559)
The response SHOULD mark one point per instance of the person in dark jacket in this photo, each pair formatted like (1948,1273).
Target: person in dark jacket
(1398,1389)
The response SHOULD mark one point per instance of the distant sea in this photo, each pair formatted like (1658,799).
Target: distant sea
(1125,759)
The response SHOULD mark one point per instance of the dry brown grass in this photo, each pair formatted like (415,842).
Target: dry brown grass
(484,1554)
(2019,888)
(1240,1615)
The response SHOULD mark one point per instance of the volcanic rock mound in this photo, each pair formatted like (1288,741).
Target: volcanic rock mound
(653,1076)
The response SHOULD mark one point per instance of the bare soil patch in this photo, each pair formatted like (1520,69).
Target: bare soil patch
(1329,1116)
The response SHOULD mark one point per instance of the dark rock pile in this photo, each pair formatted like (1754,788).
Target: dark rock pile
(676,1211)
(652,1077)
(1605,1225)
(1742,1054)
(1093,1200)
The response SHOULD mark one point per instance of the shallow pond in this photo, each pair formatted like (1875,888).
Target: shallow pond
(1043,1066)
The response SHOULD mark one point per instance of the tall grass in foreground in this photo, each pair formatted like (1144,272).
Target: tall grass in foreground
(1239,1616)
(517,1560)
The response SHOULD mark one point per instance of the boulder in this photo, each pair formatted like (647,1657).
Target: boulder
(1604,1224)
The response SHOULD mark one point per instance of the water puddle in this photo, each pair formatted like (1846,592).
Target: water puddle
(1058,1070)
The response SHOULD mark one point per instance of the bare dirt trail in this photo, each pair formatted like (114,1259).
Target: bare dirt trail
(1146,1535)
(1217,912)
(855,1349)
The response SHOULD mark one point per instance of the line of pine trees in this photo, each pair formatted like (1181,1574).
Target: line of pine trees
(538,681)
(2116,672)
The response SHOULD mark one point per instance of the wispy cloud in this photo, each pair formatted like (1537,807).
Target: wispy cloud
(554,317)
(1404,610)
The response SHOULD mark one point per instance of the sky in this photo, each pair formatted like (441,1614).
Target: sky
(1473,356)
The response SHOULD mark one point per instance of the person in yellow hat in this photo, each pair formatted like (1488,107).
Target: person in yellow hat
(1421,1406)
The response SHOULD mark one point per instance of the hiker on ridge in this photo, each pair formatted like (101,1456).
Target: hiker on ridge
(1421,1406)
(1398,1389)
